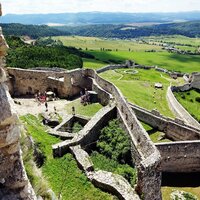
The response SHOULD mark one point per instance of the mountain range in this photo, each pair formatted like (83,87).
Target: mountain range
(84,18)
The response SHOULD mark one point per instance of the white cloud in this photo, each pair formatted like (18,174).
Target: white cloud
(59,6)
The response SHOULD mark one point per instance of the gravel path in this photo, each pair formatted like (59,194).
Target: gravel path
(30,106)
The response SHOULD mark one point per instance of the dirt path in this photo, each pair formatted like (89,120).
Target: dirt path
(30,106)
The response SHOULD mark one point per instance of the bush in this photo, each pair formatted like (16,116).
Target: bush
(183,96)
(197,99)
(114,143)
(76,127)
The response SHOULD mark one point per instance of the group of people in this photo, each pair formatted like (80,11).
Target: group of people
(42,98)
(85,97)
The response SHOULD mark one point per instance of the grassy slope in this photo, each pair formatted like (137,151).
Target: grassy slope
(88,110)
(93,43)
(192,107)
(62,173)
(175,39)
(141,92)
(93,64)
(170,61)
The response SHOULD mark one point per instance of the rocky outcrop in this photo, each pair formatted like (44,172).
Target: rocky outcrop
(14,183)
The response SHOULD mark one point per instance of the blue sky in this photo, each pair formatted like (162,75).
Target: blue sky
(60,6)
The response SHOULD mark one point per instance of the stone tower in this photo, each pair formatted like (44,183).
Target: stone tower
(14,184)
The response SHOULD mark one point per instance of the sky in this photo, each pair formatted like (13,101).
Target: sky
(63,6)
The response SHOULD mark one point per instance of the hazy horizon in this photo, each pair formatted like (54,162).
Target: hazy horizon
(76,6)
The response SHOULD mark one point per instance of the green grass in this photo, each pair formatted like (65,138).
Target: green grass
(139,88)
(170,61)
(166,191)
(187,99)
(101,162)
(93,43)
(93,64)
(88,110)
(63,175)
(154,134)
(175,39)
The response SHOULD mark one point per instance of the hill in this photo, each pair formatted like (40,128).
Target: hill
(33,31)
(99,18)
(40,56)
(189,29)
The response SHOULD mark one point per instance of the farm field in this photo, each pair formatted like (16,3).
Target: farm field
(121,50)
(178,39)
(139,88)
(93,43)
(189,102)
(170,61)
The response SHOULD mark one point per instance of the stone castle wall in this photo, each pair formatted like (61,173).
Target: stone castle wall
(179,110)
(144,153)
(14,183)
(174,129)
(180,156)
(28,82)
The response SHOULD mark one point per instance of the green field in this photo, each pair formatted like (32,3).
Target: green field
(139,88)
(188,100)
(88,110)
(122,50)
(174,39)
(155,135)
(92,43)
(170,61)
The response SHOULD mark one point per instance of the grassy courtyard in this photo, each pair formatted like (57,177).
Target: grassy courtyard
(139,88)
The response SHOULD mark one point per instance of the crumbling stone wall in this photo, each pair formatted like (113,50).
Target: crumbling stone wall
(180,156)
(145,154)
(28,82)
(13,180)
(174,129)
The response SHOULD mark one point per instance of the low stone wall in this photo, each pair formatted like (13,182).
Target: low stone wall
(180,156)
(179,110)
(89,133)
(115,184)
(174,129)
(111,67)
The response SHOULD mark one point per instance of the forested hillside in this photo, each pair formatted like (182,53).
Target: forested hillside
(189,29)
(21,55)
(33,31)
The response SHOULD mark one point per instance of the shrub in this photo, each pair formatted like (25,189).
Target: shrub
(76,127)
(114,143)
(197,99)
(183,96)
(191,100)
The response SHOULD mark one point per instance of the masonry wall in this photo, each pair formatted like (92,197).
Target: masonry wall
(110,67)
(29,82)
(179,110)
(174,129)
(14,183)
(144,153)
(180,156)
